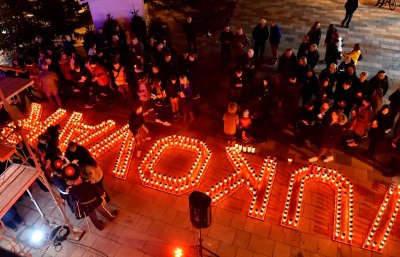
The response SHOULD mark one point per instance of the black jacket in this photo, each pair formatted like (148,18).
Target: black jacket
(351,5)
(260,34)
(135,122)
(82,155)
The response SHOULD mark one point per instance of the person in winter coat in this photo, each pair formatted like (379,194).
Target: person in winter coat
(231,121)
(313,56)
(361,123)
(226,40)
(303,48)
(90,170)
(274,39)
(350,6)
(305,121)
(354,54)
(375,135)
(332,131)
(89,199)
(260,35)
(394,99)
(332,53)
(384,118)
(314,35)
(246,125)
(379,81)
(287,63)
(329,34)
(310,86)
(190,33)
(137,126)
(48,81)
(239,44)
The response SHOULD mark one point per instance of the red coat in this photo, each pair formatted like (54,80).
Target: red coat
(362,121)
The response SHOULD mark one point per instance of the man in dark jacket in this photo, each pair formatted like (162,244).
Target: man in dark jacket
(190,34)
(287,63)
(226,40)
(394,99)
(350,6)
(379,81)
(274,40)
(260,35)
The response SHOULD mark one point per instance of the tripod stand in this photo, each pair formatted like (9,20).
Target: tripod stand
(200,247)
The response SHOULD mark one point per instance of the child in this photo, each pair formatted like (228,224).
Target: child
(231,121)
(245,125)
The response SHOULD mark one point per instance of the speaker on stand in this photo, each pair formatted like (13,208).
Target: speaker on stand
(200,217)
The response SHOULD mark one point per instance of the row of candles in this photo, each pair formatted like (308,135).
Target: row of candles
(343,221)
(121,167)
(244,148)
(168,183)
(41,127)
(245,176)
(377,238)
(33,124)
(33,118)
(87,133)
(94,132)
(109,142)
(67,132)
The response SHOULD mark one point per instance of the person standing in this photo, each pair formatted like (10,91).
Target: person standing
(48,81)
(274,40)
(231,122)
(314,35)
(239,45)
(350,6)
(190,34)
(332,130)
(260,35)
(137,126)
(226,39)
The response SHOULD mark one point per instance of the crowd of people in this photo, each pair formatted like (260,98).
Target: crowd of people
(324,107)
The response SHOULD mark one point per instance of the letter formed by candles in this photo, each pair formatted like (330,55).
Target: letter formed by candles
(258,185)
(344,214)
(34,125)
(75,129)
(121,166)
(165,182)
(384,220)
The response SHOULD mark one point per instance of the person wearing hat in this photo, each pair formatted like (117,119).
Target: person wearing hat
(87,198)
(231,121)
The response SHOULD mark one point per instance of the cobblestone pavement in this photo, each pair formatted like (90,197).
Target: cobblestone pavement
(153,223)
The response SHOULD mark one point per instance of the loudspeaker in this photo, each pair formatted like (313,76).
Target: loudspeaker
(200,209)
